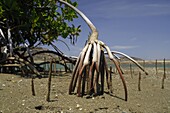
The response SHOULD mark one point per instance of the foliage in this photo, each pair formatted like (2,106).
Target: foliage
(35,21)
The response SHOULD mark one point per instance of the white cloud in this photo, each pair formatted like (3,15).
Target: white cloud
(119,47)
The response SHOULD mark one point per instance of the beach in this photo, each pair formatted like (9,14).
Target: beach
(16,95)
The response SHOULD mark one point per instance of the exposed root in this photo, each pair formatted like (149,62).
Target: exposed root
(93,56)
(91,63)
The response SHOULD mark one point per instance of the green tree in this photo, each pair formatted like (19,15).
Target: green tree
(35,21)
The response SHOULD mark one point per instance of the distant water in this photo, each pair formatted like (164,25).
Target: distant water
(59,67)
(147,65)
(123,65)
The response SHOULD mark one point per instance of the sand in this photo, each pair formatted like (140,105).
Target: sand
(16,96)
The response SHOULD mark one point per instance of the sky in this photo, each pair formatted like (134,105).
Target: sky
(139,28)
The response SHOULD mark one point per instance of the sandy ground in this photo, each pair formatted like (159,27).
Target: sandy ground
(16,96)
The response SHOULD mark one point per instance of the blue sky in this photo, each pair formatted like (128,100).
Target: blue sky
(139,28)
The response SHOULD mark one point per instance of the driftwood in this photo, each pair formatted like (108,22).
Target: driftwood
(34,70)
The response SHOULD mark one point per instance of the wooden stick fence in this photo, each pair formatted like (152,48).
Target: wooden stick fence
(144,64)
(139,82)
(156,66)
(49,81)
(32,86)
(131,73)
(164,75)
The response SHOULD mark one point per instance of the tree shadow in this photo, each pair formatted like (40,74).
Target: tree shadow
(53,100)
(112,95)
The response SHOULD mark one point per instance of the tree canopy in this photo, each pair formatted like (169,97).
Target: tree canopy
(35,21)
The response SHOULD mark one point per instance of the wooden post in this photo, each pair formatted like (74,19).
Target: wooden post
(55,67)
(131,70)
(164,75)
(49,82)
(144,64)
(44,65)
(32,86)
(139,81)
(52,70)
(156,67)
(164,68)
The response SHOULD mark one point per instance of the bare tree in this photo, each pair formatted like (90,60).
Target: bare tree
(92,57)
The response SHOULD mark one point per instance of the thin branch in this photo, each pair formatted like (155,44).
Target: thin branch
(120,53)
(64,44)
(94,35)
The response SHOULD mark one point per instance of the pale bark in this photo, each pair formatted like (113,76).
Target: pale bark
(94,34)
